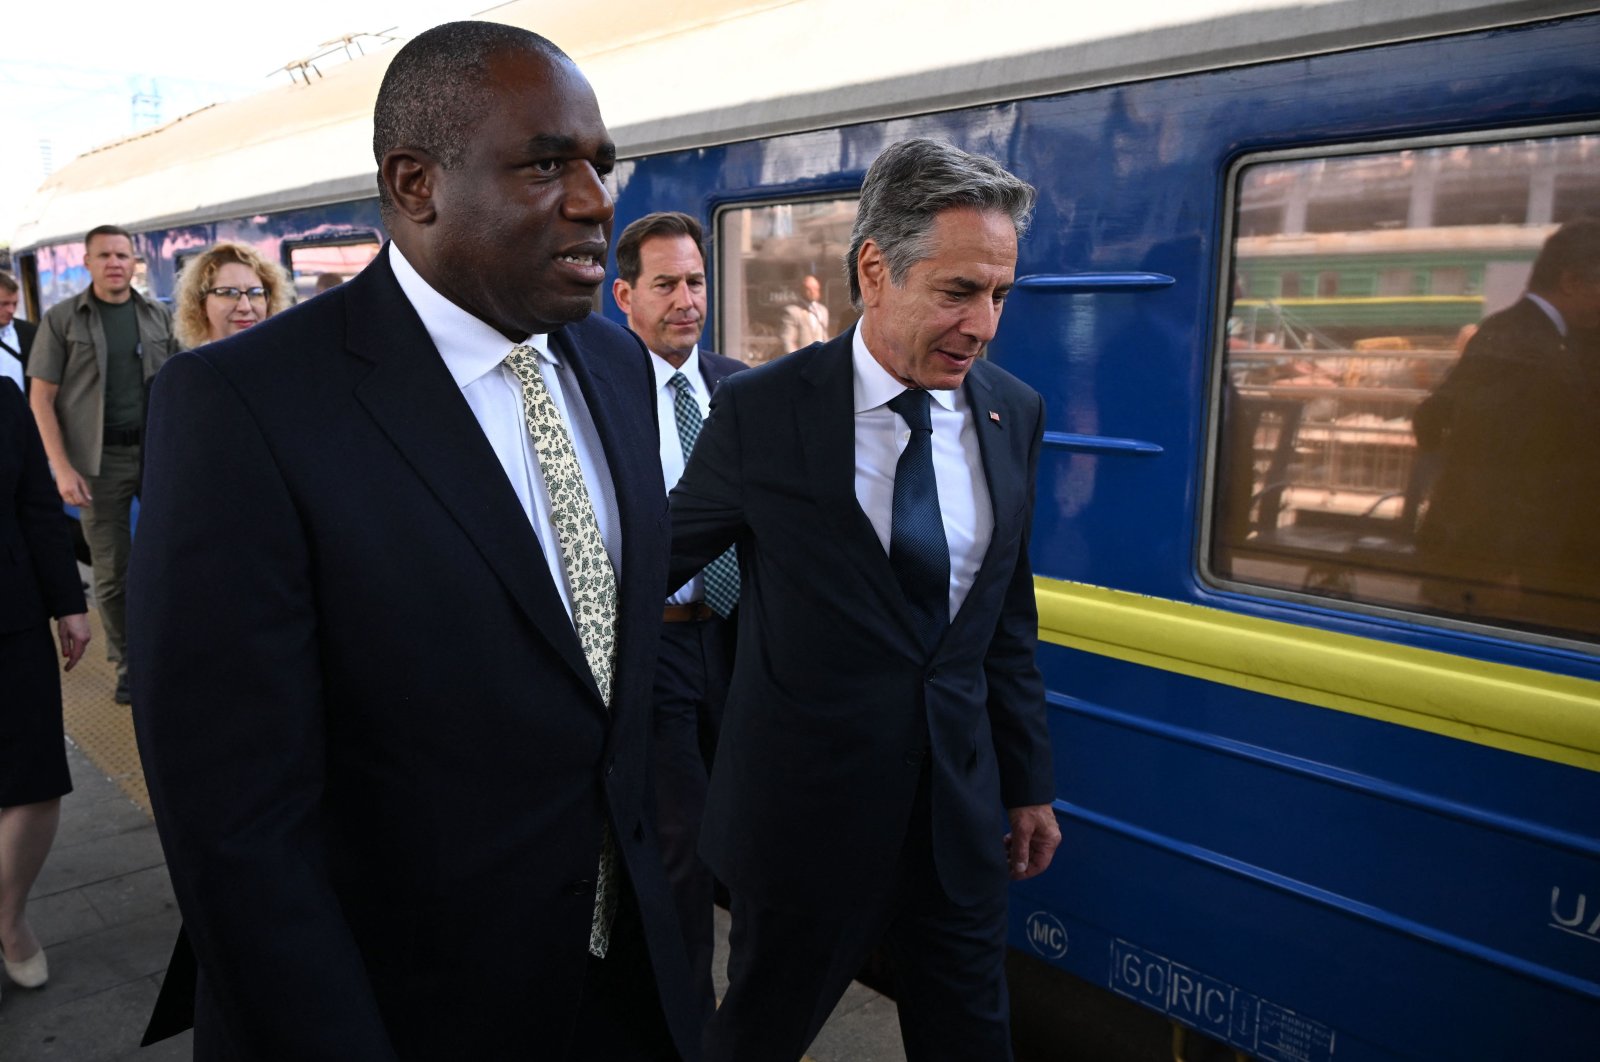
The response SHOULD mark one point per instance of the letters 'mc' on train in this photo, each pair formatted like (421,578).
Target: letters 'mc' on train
(392,705)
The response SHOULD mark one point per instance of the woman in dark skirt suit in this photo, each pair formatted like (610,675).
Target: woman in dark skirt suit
(38,580)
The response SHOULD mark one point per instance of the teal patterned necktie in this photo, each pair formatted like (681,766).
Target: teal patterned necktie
(721,575)
(591,581)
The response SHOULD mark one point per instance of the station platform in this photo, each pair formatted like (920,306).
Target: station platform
(103,907)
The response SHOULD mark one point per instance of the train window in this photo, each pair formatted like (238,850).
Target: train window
(780,282)
(1419,435)
(1448,280)
(319,266)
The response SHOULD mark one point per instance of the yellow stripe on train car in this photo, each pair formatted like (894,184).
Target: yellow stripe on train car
(1552,717)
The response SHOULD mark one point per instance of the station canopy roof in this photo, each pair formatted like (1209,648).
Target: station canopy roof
(678,75)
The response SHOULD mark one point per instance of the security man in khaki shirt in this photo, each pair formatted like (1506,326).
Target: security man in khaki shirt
(91,364)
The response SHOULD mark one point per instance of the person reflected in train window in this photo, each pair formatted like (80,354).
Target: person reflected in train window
(806,322)
(226,289)
(661,287)
(885,712)
(91,366)
(38,580)
(16,334)
(399,577)
(1509,530)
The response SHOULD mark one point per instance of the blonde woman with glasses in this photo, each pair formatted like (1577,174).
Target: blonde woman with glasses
(225,290)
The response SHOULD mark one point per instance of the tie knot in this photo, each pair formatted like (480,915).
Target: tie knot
(680,383)
(523,360)
(912,405)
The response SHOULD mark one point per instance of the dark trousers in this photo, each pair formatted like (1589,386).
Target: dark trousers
(619,1017)
(691,685)
(788,968)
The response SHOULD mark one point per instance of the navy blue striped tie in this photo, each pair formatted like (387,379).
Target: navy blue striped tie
(918,550)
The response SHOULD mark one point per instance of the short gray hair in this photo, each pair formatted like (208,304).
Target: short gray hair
(910,185)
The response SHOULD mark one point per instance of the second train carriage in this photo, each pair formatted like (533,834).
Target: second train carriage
(1315,804)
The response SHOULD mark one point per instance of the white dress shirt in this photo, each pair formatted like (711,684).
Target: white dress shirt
(881,437)
(1550,311)
(10,364)
(475,353)
(672,455)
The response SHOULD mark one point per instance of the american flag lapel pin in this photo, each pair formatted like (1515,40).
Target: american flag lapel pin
(994,416)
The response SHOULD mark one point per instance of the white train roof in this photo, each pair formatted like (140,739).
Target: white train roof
(716,71)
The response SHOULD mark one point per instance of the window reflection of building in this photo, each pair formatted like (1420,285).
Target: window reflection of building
(764,255)
(1357,280)
(310,262)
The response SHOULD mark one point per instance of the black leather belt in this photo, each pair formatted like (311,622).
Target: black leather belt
(123,437)
(694,610)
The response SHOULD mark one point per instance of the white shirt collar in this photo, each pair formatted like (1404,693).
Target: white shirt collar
(1550,311)
(690,368)
(470,346)
(874,385)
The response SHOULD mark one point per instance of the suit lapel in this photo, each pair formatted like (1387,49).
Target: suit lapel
(825,425)
(635,481)
(414,400)
(709,374)
(1007,492)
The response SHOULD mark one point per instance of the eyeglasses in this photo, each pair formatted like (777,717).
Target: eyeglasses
(232,294)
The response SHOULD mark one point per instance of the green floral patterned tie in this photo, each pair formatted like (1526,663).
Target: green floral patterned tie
(591,581)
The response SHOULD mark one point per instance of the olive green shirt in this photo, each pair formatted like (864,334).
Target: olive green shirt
(124,403)
(70,351)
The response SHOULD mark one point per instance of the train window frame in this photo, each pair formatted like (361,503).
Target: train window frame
(1205,542)
(359,238)
(719,210)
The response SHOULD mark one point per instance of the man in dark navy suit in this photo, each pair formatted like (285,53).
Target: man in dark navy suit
(399,581)
(1509,530)
(16,335)
(885,713)
(661,286)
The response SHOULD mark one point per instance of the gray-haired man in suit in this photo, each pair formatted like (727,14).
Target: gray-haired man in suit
(885,713)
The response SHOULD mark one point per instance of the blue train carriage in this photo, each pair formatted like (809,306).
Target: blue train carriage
(1319,802)
(1321,799)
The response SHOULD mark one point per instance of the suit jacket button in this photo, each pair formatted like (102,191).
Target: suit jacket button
(581,887)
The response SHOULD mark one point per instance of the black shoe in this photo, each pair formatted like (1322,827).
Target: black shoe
(123,695)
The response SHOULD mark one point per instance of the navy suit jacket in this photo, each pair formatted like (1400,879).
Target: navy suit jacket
(379,763)
(1512,432)
(834,703)
(714,368)
(38,574)
(25,330)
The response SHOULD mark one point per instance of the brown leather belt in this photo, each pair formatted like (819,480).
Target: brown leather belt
(695,610)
